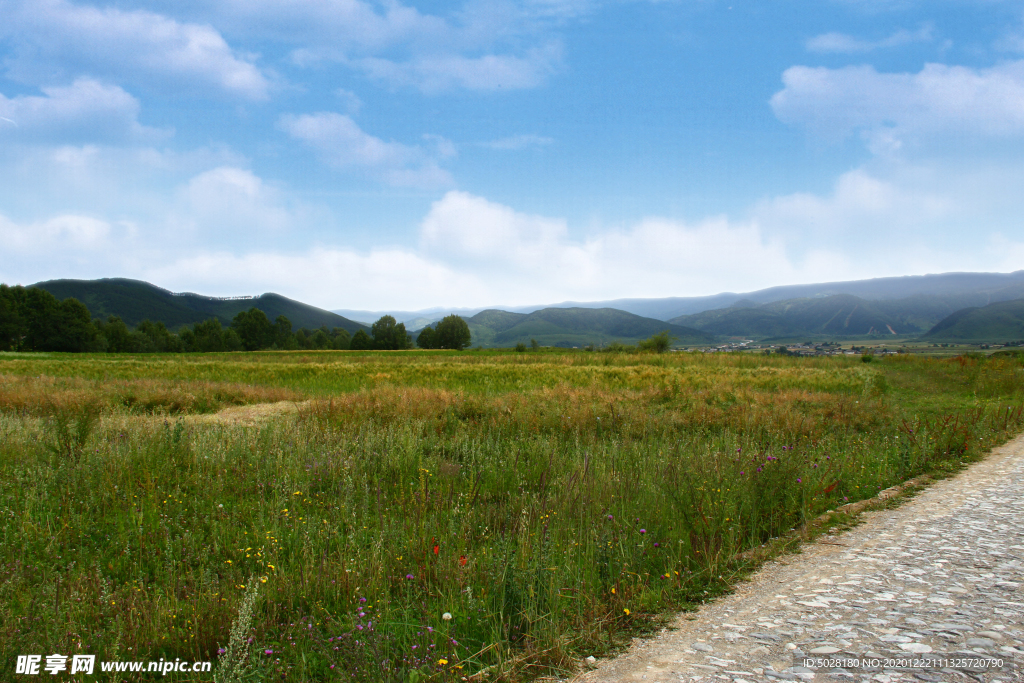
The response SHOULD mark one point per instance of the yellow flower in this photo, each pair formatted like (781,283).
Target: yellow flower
(442,662)
(626,610)
(613,591)
(272,566)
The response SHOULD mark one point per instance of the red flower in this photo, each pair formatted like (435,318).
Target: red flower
(462,560)
(437,549)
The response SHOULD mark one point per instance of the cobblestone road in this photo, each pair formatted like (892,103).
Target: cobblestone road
(939,578)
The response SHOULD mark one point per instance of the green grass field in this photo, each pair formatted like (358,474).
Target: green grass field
(551,503)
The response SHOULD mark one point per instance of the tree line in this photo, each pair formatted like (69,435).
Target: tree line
(32,319)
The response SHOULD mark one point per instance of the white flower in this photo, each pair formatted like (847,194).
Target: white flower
(447,616)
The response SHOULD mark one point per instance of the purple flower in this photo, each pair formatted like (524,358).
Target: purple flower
(221,650)
(359,626)
(643,531)
(656,545)
(741,472)
(758,469)
(798,480)
(410,577)
(609,517)
(362,599)
(268,652)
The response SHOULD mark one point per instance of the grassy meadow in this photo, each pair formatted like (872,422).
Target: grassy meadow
(483,515)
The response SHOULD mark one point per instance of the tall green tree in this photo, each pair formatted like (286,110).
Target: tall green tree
(13,325)
(452,333)
(59,325)
(341,339)
(389,334)
(427,338)
(254,329)
(283,337)
(361,341)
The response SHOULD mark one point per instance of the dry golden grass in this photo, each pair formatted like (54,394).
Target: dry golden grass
(43,395)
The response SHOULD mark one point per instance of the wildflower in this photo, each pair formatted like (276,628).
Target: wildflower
(447,616)
(657,545)
(437,549)
(798,480)
(268,652)
(442,662)
(272,566)
(410,577)
(362,599)
(643,531)
(610,517)
(741,473)
(626,610)
(221,650)
(462,560)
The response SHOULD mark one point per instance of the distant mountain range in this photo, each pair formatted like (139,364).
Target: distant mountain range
(134,301)
(1002,321)
(952,290)
(570,327)
(840,315)
(951,306)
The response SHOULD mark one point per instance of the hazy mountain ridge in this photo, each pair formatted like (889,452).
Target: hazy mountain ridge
(573,327)
(1001,321)
(959,290)
(134,301)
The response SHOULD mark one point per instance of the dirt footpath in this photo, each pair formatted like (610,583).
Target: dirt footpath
(930,591)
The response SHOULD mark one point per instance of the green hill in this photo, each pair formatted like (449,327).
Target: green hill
(134,301)
(841,315)
(1003,321)
(570,327)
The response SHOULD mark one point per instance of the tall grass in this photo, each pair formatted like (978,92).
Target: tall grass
(549,507)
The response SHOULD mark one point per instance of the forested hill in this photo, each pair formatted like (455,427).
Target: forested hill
(1003,321)
(841,315)
(570,327)
(134,301)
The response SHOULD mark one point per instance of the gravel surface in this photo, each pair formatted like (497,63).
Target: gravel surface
(929,591)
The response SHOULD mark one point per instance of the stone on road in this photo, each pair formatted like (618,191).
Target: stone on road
(935,585)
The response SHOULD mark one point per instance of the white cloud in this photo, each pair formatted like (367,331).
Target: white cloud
(465,226)
(843,43)
(472,251)
(87,109)
(342,143)
(329,278)
(51,38)
(525,258)
(493,45)
(441,72)
(79,232)
(938,103)
(234,201)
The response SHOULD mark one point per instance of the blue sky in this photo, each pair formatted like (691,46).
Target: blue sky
(362,154)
